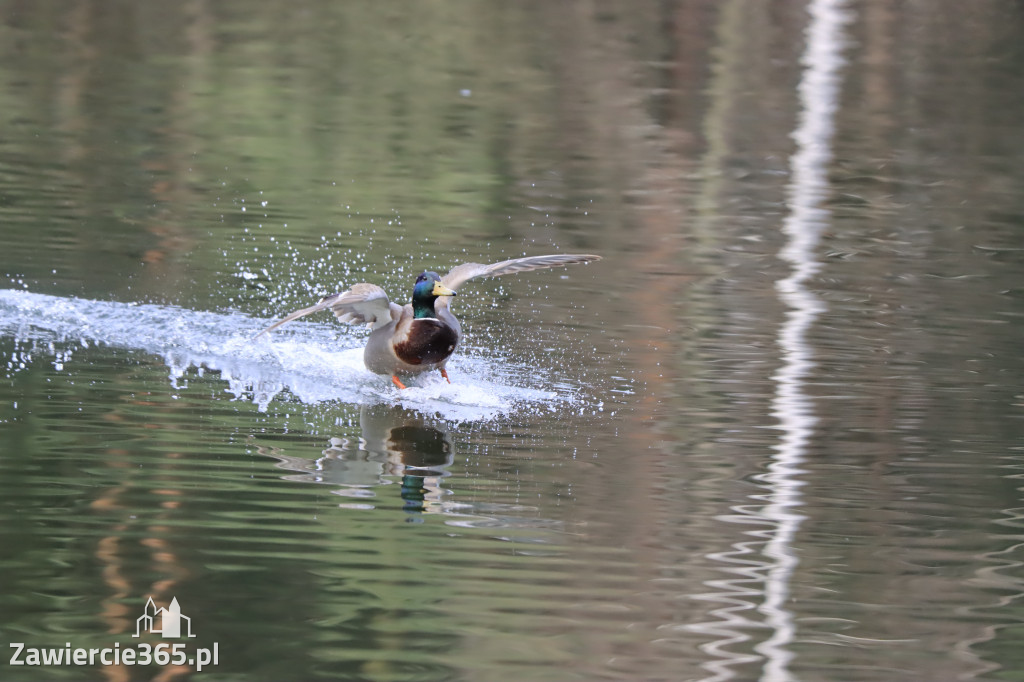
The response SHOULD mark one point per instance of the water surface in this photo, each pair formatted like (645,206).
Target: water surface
(775,434)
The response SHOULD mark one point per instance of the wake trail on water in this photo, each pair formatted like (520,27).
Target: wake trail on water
(314,363)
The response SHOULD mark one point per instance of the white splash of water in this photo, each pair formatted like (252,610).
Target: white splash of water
(312,363)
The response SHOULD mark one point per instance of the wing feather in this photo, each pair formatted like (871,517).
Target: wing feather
(461,274)
(362,304)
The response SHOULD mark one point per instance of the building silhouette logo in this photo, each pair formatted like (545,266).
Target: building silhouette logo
(165,622)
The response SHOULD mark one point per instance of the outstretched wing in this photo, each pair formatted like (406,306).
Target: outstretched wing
(362,304)
(460,274)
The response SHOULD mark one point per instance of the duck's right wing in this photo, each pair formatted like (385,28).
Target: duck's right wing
(362,304)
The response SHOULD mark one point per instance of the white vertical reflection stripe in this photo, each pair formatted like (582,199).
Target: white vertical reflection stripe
(791,406)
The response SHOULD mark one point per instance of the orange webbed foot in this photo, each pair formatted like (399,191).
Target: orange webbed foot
(444,373)
(397,382)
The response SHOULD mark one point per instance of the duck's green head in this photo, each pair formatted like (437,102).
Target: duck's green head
(426,290)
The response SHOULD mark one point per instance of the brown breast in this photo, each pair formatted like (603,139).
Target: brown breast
(428,342)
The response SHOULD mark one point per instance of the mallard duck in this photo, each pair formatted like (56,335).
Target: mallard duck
(422,335)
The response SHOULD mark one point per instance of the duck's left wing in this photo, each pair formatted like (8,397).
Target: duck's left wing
(461,274)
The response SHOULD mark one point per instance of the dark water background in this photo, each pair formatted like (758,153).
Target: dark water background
(776,434)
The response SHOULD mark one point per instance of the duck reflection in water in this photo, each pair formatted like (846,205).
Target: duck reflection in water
(394,442)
